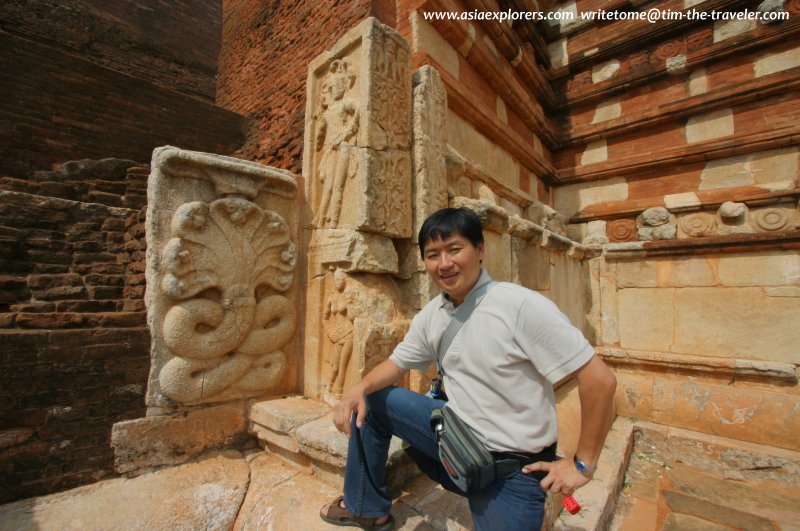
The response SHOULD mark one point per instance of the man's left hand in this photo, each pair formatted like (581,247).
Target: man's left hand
(561,478)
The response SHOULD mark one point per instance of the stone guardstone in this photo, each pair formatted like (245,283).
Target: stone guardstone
(202,495)
(221,296)
(357,154)
(171,440)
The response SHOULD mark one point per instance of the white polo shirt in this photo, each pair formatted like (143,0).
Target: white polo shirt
(501,366)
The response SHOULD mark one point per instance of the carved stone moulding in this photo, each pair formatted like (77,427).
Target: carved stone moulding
(697,225)
(774,219)
(656,224)
(220,269)
(622,230)
(357,156)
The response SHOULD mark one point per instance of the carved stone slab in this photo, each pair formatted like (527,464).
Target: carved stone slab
(220,278)
(357,157)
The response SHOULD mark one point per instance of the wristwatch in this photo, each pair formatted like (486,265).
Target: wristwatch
(582,467)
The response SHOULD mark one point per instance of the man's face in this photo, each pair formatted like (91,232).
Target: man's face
(454,264)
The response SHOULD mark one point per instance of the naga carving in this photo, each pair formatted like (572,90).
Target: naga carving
(226,268)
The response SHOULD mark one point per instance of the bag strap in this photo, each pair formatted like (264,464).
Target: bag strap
(460,317)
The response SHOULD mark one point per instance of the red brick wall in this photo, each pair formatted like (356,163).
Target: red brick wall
(56,106)
(263,66)
(75,346)
(172,44)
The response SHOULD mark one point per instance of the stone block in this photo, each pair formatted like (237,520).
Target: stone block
(559,56)
(635,273)
(725,29)
(202,495)
(357,154)
(773,62)
(698,82)
(572,198)
(424,38)
(174,439)
(321,441)
(634,394)
(736,412)
(285,414)
(777,165)
(497,259)
(760,269)
(270,437)
(472,144)
(595,152)
(352,251)
(607,110)
(687,271)
(709,126)
(532,265)
(646,318)
(221,295)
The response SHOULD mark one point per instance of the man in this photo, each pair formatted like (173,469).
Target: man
(498,373)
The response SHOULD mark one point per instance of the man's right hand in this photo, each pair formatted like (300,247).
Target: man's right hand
(352,401)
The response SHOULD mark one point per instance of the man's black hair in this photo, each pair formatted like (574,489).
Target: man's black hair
(449,221)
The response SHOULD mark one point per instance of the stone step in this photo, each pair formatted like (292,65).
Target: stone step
(301,431)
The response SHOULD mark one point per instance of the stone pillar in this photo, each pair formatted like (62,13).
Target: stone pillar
(220,279)
(357,172)
(429,150)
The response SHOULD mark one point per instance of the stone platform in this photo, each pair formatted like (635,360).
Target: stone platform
(650,477)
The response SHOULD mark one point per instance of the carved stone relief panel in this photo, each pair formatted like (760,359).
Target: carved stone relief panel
(357,159)
(220,273)
(360,324)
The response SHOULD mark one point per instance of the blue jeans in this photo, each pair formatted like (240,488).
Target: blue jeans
(513,503)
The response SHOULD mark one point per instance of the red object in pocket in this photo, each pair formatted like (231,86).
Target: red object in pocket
(571,505)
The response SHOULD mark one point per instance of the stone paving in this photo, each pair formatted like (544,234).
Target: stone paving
(674,480)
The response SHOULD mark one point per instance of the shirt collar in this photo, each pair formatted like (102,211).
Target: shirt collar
(482,279)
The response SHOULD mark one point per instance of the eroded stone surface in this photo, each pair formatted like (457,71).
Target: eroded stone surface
(285,414)
(170,440)
(203,495)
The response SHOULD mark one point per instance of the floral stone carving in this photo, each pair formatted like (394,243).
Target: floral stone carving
(220,273)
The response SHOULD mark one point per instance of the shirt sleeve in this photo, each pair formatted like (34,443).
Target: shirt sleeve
(556,347)
(414,352)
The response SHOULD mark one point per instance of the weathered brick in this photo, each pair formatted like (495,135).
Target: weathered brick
(57,280)
(49,320)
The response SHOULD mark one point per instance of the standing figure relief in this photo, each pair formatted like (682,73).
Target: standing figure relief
(336,137)
(338,319)
(226,267)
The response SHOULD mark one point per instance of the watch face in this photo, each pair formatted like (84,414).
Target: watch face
(581,467)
